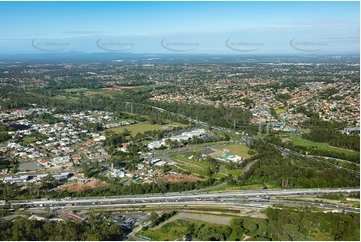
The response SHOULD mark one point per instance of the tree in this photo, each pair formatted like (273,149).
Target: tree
(48,182)
(209,171)
(153,219)
(197,155)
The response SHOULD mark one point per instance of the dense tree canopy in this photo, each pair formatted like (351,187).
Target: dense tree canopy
(32,230)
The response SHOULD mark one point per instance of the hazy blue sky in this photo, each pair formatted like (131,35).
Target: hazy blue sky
(184,27)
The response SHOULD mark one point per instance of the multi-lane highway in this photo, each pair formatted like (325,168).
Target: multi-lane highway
(229,199)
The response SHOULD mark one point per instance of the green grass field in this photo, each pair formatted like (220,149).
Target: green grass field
(171,231)
(281,110)
(236,149)
(235,172)
(193,170)
(76,90)
(143,127)
(203,166)
(29,139)
(190,161)
(175,230)
(322,146)
(71,99)
(137,128)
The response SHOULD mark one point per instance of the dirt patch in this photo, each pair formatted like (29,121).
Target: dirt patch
(181,178)
(81,186)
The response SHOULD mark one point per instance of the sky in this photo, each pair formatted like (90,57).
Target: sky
(180,27)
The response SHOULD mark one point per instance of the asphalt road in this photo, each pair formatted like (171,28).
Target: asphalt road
(235,199)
